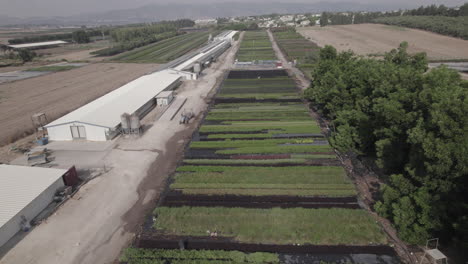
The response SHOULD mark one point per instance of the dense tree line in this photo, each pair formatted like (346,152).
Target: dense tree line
(451,26)
(147,31)
(239,26)
(63,36)
(441,10)
(414,124)
(346,18)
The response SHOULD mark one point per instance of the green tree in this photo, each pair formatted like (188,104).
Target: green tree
(80,36)
(26,55)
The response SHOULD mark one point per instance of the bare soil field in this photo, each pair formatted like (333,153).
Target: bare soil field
(375,39)
(59,93)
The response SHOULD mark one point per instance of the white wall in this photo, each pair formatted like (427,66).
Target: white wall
(63,132)
(11,227)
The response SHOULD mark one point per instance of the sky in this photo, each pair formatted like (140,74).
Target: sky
(31,8)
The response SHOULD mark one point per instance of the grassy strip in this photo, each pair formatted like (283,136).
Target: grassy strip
(147,256)
(275,226)
(244,161)
(276,127)
(247,143)
(263,175)
(53,68)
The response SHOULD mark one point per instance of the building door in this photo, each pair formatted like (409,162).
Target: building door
(78,132)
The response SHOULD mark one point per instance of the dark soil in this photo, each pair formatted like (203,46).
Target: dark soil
(220,243)
(256,74)
(254,100)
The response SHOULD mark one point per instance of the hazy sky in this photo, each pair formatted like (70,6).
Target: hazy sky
(28,8)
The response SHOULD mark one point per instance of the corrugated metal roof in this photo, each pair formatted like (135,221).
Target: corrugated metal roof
(37,44)
(106,110)
(20,185)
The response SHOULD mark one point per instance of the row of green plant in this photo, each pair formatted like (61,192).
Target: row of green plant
(283,127)
(273,226)
(153,256)
(306,180)
(265,162)
(270,115)
(166,50)
(414,123)
(255,46)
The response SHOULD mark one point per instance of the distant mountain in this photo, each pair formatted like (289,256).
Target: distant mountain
(159,12)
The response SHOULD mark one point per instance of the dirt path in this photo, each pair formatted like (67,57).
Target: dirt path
(104,216)
(366,181)
(301,80)
(377,39)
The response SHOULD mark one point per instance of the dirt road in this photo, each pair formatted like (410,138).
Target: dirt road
(365,39)
(105,214)
(300,78)
(59,93)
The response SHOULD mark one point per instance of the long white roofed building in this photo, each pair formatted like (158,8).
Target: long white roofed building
(100,120)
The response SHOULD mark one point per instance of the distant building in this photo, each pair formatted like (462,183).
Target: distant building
(305,23)
(47,44)
(287,18)
(206,22)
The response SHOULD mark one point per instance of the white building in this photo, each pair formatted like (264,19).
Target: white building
(287,18)
(25,192)
(206,22)
(165,98)
(305,23)
(100,120)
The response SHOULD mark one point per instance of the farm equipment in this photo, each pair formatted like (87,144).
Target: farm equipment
(185,116)
(37,157)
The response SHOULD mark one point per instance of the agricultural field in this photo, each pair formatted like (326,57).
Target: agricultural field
(376,39)
(258,175)
(255,46)
(165,50)
(295,47)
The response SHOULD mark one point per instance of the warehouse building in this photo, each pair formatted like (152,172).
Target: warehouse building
(100,120)
(24,193)
(37,45)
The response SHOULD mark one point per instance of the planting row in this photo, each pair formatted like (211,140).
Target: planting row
(256,46)
(258,176)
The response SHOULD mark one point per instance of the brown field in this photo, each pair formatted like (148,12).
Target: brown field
(374,39)
(59,93)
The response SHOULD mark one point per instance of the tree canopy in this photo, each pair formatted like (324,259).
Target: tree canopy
(414,123)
